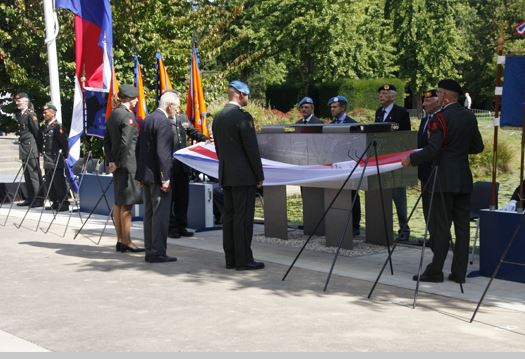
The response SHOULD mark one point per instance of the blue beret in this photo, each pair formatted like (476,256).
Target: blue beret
(341,99)
(306,100)
(240,86)
(128,91)
(386,87)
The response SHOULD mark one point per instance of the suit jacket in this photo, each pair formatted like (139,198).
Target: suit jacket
(237,148)
(398,115)
(424,169)
(120,139)
(55,139)
(181,128)
(155,149)
(347,119)
(313,120)
(450,152)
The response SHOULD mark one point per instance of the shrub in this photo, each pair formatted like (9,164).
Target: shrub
(481,164)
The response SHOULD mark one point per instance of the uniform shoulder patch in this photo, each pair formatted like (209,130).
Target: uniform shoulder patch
(433,125)
(34,118)
(61,130)
(130,121)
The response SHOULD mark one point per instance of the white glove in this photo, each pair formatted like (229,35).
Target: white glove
(511,206)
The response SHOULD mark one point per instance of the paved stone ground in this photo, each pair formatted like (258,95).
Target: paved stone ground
(60,294)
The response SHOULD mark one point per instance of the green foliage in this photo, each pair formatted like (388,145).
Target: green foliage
(481,164)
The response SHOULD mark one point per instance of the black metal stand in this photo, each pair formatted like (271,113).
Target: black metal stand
(326,211)
(501,261)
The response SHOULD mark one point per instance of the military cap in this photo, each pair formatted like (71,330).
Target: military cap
(306,100)
(429,93)
(21,95)
(50,107)
(450,85)
(386,87)
(341,99)
(128,91)
(240,86)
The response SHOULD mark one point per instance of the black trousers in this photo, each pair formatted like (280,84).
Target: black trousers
(179,200)
(356,210)
(57,188)
(448,209)
(237,228)
(33,178)
(156,219)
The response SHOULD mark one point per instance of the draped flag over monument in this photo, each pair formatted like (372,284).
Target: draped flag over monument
(203,158)
(195,105)
(163,80)
(93,48)
(141,111)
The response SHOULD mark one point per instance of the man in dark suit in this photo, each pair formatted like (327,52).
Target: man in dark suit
(154,159)
(55,150)
(181,128)
(306,108)
(337,105)
(30,147)
(390,112)
(454,134)
(240,173)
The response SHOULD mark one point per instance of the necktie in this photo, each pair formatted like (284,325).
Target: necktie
(382,115)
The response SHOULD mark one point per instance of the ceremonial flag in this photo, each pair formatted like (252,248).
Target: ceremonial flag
(513,98)
(520,28)
(163,81)
(112,94)
(141,111)
(195,106)
(93,48)
(203,158)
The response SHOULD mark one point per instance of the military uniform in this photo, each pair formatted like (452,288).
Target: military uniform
(181,128)
(55,139)
(454,134)
(120,141)
(30,146)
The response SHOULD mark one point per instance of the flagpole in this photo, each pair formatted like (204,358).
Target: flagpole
(51,34)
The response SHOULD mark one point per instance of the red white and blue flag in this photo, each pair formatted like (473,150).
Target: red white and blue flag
(520,28)
(203,158)
(93,57)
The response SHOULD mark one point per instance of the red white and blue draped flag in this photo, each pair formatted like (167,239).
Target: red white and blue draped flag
(93,58)
(203,158)
(520,28)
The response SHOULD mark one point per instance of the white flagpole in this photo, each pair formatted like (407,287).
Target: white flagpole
(51,34)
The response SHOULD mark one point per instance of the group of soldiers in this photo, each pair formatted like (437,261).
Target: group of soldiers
(50,142)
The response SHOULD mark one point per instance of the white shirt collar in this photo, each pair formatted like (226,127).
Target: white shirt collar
(308,118)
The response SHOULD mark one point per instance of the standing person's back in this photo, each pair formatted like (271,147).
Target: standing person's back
(240,172)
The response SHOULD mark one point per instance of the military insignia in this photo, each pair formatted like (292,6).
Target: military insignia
(61,130)
(386,87)
(130,121)
(428,94)
(35,119)
(433,126)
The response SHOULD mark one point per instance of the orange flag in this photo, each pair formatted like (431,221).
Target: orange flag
(112,94)
(163,81)
(141,111)
(196,107)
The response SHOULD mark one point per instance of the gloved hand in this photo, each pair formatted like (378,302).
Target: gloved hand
(511,206)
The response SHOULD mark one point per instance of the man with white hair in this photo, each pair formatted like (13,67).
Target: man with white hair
(30,147)
(154,165)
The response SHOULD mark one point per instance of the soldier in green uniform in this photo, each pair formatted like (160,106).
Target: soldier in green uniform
(30,147)
(119,147)
(453,135)
(55,150)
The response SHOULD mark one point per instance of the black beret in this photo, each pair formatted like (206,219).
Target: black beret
(386,87)
(430,93)
(50,107)
(128,91)
(450,85)
(21,95)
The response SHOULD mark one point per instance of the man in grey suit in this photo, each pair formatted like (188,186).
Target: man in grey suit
(454,134)
(154,158)
(240,173)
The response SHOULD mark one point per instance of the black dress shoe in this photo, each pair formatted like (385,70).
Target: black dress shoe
(230,266)
(23,204)
(173,234)
(126,248)
(37,204)
(159,259)
(118,247)
(426,277)
(356,232)
(455,278)
(185,233)
(251,266)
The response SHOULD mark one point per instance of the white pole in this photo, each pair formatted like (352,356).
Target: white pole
(51,34)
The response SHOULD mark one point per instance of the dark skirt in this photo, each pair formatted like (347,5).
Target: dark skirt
(127,190)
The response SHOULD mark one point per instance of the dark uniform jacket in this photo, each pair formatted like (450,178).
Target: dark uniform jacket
(398,115)
(120,139)
(29,133)
(55,139)
(346,119)
(155,149)
(449,146)
(516,194)
(236,146)
(424,169)
(312,120)
(181,128)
